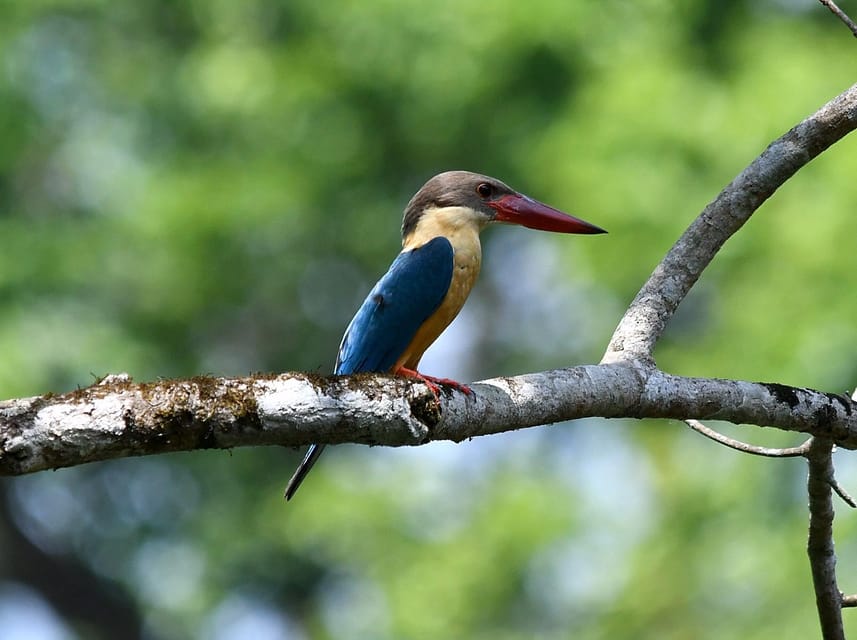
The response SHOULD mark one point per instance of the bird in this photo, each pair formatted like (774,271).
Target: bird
(429,281)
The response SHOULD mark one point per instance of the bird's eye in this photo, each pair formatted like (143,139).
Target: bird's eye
(484,189)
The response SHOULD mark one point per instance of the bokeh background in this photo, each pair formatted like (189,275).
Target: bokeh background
(210,187)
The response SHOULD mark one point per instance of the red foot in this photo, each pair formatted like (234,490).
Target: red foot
(432,382)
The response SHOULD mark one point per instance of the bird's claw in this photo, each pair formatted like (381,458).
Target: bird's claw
(433,383)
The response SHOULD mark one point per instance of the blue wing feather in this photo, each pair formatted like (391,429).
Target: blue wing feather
(410,291)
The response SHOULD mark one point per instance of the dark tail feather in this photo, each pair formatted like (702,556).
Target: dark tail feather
(303,469)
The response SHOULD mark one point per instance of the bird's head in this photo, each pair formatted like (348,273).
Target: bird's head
(485,200)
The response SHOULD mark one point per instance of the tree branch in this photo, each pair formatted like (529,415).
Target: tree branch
(822,558)
(647,317)
(118,418)
(839,13)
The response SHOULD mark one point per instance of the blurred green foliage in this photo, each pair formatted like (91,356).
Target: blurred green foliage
(193,187)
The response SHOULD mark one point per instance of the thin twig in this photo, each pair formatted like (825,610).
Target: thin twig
(822,559)
(790,452)
(842,493)
(839,13)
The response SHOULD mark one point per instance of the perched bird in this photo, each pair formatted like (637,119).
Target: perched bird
(428,282)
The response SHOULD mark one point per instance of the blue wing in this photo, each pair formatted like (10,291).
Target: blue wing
(396,308)
(388,319)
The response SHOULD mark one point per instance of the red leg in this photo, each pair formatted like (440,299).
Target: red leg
(432,382)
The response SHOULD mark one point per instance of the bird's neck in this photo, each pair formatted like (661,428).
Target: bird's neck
(460,225)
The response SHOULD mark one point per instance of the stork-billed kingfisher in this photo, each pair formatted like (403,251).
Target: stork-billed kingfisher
(428,282)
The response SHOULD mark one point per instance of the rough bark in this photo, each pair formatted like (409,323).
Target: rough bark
(119,418)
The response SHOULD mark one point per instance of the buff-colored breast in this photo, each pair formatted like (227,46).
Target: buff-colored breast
(461,227)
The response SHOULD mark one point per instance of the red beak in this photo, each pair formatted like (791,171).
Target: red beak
(517,208)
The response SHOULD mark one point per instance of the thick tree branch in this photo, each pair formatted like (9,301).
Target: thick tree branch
(119,418)
(647,317)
